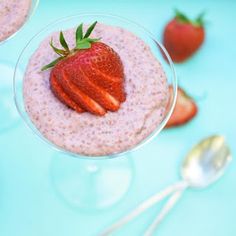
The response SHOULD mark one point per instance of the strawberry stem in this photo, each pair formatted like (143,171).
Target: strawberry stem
(182,18)
(82,42)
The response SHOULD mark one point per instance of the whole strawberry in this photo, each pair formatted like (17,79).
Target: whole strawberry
(89,77)
(183,37)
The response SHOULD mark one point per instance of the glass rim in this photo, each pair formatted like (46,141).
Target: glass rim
(152,135)
(32,10)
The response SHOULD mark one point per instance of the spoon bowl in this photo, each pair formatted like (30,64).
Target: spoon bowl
(206,162)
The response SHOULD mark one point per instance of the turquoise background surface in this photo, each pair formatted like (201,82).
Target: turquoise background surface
(28,204)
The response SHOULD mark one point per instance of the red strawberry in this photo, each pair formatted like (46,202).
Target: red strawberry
(182,37)
(89,77)
(184,111)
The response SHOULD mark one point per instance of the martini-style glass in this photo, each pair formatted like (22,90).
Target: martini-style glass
(83,181)
(9,116)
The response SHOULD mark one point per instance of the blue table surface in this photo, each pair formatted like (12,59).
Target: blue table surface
(28,204)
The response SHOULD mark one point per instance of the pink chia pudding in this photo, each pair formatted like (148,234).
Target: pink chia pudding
(146,90)
(13,14)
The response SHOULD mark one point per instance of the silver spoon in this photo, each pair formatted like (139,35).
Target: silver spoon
(203,165)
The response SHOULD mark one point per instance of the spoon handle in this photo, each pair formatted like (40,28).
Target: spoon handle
(165,210)
(144,206)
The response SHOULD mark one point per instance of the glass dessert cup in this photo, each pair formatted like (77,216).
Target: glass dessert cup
(92,182)
(9,116)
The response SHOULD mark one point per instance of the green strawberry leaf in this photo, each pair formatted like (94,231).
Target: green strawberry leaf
(90,29)
(79,33)
(200,19)
(181,17)
(63,42)
(82,42)
(58,51)
(52,64)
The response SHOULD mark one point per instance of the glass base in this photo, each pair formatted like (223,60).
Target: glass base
(9,115)
(91,184)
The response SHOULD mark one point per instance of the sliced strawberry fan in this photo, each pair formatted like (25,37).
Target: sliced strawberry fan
(89,77)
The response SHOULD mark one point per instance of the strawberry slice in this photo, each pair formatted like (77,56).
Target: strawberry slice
(112,85)
(62,96)
(184,111)
(85,101)
(99,94)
